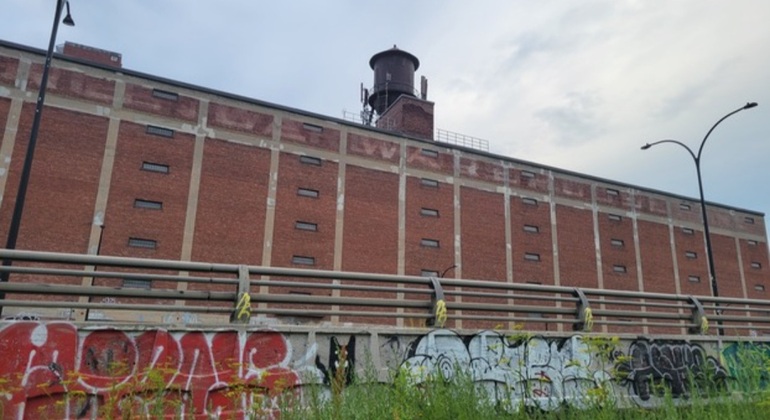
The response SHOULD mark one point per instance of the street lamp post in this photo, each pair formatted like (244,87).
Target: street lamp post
(21,194)
(696,159)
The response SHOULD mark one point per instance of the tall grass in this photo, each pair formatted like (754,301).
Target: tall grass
(459,397)
(409,396)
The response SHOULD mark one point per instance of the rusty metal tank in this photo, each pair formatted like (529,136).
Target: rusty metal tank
(393,76)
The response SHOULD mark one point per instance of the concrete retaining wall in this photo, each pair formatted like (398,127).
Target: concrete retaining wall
(58,369)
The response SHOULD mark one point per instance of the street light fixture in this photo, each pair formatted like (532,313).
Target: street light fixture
(21,194)
(696,159)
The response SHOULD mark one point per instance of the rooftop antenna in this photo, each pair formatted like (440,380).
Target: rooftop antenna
(366,113)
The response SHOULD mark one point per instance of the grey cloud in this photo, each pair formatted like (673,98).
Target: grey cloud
(575,121)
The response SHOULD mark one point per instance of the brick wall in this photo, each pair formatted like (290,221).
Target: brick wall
(368,188)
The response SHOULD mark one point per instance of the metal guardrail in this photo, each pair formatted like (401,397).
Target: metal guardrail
(80,287)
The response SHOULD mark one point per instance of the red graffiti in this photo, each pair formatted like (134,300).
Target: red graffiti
(52,370)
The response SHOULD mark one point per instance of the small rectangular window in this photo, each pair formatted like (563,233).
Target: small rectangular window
(313,227)
(749,220)
(430,183)
(142,243)
(302,260)
(693,279)
(691,255)
(529,201)
(159,131)
(611,192)
(429,153)
(531,229)
(155,167)
(310,160)
(688,231)
(617,243)
(615,217)
(751,242)
(307,192)
(428,273)
(759,287)
(430,243)
(428,212)
(755,264)
(312,127)
(527,174)
(531,256)
(618,268)
(685,206)
(137,284)
(148,204)
(164,94)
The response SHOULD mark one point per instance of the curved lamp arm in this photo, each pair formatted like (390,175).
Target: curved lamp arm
(648,145)
(695,157)
(747,106)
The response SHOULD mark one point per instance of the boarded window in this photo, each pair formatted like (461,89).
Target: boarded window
(428,212)
(164,94)
(302,260)
(307,192)
(155,167)
(429,243)
(531,256)
(159,131)
(148,204)
(429,153)
(429,183)
(312,127)
(137,284)
(306,226)
(142,243)
(310,160)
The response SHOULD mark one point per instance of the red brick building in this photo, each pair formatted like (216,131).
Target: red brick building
(138,165)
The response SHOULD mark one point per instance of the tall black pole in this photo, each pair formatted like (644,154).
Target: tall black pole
(706,232)
(21,194)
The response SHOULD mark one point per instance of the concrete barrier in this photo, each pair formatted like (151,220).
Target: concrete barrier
(65,370)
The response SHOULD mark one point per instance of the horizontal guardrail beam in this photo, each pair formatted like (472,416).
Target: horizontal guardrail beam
(233,289)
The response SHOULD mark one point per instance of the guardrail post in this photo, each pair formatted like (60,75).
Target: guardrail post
(585,317)
(242,312)
(437,304)
(698,317)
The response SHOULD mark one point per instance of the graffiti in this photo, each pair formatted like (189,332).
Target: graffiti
(747,363)
(23,316)
(340,371)
(655,369)
(342,358)
(54,370)
(535,371)
(549,373)
(61,373)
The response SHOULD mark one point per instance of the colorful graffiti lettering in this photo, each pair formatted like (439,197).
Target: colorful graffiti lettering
(54,370)
(55,364)
(748,362)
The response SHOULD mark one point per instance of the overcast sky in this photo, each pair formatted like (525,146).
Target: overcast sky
(576,85)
